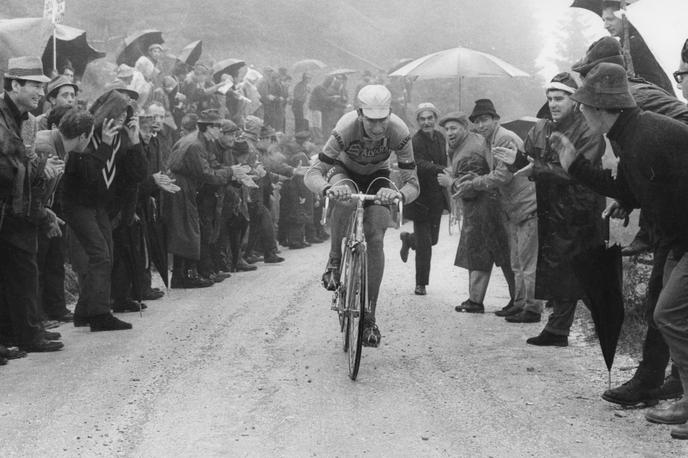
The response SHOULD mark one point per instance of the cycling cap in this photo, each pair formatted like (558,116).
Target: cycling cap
(374,101)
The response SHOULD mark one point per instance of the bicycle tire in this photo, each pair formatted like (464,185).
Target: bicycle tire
(342,295)
(357,284)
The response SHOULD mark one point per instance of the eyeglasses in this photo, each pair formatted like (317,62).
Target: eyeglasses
(678,76)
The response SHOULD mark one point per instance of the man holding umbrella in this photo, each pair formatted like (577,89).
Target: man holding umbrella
(652,174)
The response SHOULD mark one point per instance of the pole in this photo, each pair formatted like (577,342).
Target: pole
(54,37)
(460,81)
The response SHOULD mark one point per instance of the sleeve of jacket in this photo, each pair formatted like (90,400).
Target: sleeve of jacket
(135,164)
(199,167)
(423,158)
(602,182)
(403,146)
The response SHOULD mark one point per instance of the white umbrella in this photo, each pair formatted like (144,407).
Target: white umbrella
(664,41)
(458,63)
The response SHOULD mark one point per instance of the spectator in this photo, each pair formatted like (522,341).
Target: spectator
(61,92)
(430,153)
(21,214)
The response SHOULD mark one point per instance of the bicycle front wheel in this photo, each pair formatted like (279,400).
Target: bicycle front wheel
(357,294)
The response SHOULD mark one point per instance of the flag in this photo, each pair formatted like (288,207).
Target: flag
(54,10)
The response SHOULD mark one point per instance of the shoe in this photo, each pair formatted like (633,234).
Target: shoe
(107,322)
(330,279)
(47,335)
(314,239)
(468,306)
(674,414)
(508,310)
(50,324)
(405,246)
(547,339)
(632,393)
(80,321)
(371,336)
(3,361)
(152,294)
(217,277)
(524,316)
(252,259)
(41,345)
(680,432)
(420,290)
(177,281)
(243,266)
(670,389)
(128,305)
(11,353)
(298,245)
(273,259)
(66,317)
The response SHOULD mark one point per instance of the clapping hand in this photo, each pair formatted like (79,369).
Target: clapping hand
(165,183)
(54,167)
(444,179)
(506,154)
(563,146)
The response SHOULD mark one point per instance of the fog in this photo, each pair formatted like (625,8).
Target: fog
(540,37)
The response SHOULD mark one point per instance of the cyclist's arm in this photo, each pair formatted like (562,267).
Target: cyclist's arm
(315,176)
(407,169)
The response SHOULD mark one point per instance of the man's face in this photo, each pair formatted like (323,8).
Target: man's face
(560,105)
(65,97)
(119,120)
(374,128)
(156,53)
(69,74)
(27,96)
(157,115)
(682,77)
(612,22)
(427,121)
(146,128)
(455,132)
(485,125)
(228,138)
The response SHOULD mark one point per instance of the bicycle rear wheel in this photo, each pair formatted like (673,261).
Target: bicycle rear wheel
(357,293)
(342,304)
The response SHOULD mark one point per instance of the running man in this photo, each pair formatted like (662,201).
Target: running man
(359,149)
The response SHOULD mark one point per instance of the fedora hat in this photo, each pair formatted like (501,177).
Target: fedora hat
(606,49)
(483,107)
(606,87)
(28,68)
(56,83)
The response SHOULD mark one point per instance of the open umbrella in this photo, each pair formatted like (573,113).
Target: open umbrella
(228,66)
(520,126)
(191,53)
(458,63)
(34,37)
(400,63)
(136,45)
(600,275)
(342,71)
(307,64)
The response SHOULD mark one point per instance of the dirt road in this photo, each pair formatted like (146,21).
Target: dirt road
(253,367)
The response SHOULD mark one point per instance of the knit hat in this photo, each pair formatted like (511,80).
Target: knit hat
(562,82)
(606,87)
(457,116)
(605,49)
(28,68)
(483,107)
(375,101)
(427,106)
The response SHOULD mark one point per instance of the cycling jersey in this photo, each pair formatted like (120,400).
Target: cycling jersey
(350,148)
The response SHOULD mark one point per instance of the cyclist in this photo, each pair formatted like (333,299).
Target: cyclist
(359,149)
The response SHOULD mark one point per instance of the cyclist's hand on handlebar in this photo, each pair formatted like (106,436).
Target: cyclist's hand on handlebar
(387,196)
(339,192)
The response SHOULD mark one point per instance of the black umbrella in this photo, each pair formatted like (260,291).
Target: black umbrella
(191,53)
(520,126)
(157,249)
(600,275)
(591,5)
(136,45)
(228,66)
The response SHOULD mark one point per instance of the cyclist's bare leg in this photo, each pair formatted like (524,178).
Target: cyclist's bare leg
(375,223)
(341,212)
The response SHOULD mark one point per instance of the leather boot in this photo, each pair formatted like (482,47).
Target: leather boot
(674,414)
(193,280)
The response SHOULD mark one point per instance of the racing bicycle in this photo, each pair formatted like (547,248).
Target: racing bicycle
(350,298)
